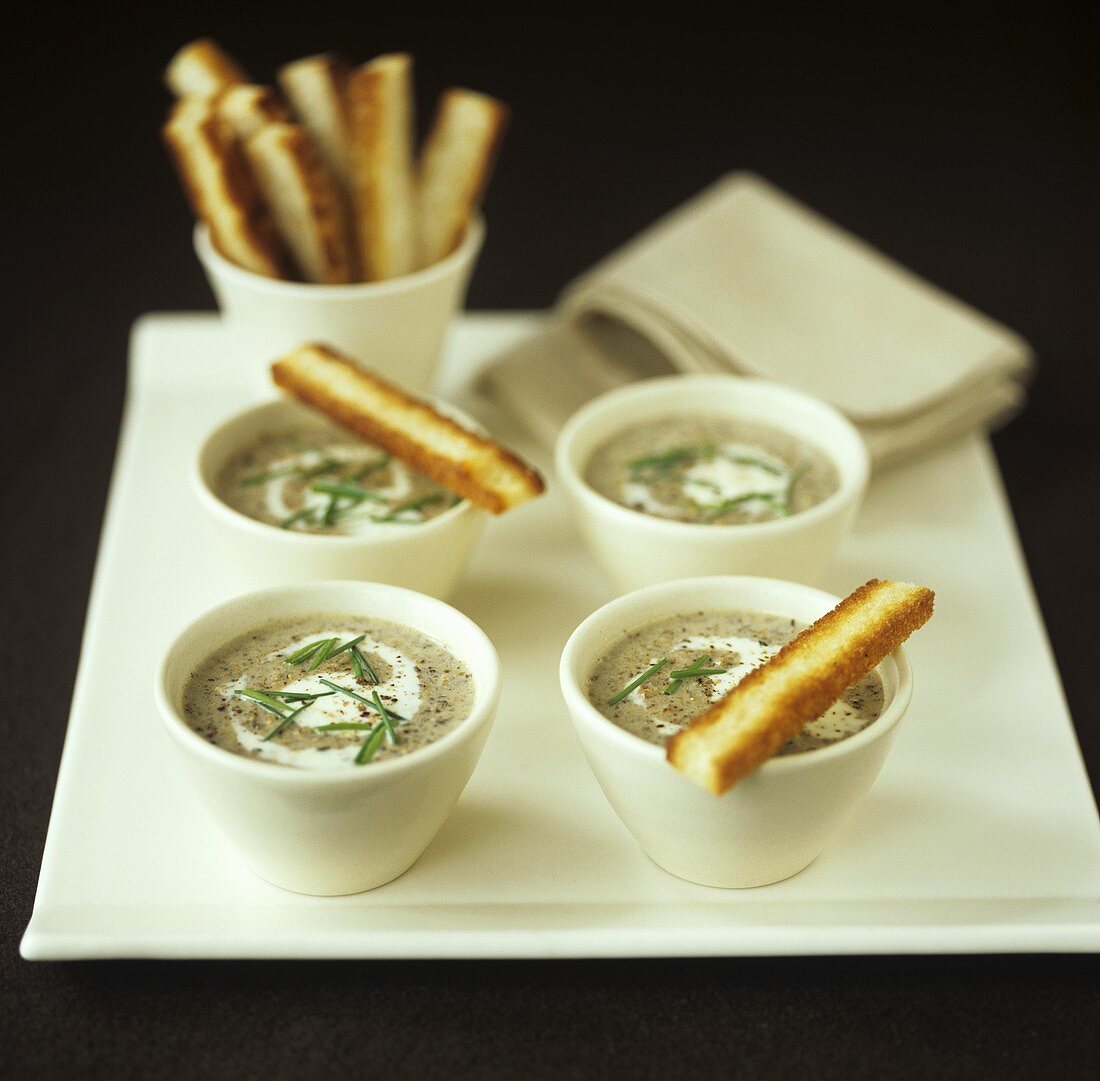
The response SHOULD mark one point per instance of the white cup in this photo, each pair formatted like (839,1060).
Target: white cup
(428,557)
(770,824)
(636,549)
(331,832)
(396,327)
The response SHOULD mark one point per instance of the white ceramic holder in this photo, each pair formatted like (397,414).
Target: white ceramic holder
(331,832)
(396,327)
(427,556)
(636,549)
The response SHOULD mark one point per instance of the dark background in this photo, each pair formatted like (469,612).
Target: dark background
(962,141)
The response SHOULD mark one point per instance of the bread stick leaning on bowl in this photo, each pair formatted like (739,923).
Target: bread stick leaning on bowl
(749,724)
(471,465)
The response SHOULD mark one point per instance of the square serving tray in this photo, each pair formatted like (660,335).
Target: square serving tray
(981,834)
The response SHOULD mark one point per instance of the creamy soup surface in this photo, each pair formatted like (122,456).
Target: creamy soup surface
(294,692)
(322,479)
(722,647)
(711,470)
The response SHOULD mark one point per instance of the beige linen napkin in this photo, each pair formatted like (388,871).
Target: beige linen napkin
(745,279)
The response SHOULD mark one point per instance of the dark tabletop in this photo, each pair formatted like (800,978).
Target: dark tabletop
(962,143)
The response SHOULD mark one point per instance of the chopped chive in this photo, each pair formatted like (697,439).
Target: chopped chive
(347,490)
(759,463)
(344,726)
(674,686)
(264,701)
(691,673)
(301,696)
(386,720)
(319,658)
(327,466)
(370,745)
(360,664)
(672,457)
(649,673)
(727,505)
(359,698)
(305,652)
(329,517)
(286,523)
(271,474)
(412,504)
(351,643)
(370,467)
(284,722)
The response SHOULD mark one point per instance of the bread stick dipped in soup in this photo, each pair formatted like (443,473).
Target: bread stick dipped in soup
(711,470)
(724,691)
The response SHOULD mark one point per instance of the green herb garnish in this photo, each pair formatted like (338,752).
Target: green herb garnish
(649,673)
(264,701)
(370,467)
(411,505)
(360,665)
(668,459)
(698,667)
(386,718)
(371,744)
(364,701)
(285,721)
(347,490)
(301,515)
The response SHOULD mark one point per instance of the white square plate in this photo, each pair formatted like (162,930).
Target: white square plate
(980,835)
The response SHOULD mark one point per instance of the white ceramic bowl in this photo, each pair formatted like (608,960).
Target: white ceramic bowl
(331,832)
(427,557)
(769,825)
(398,327)
(637,549)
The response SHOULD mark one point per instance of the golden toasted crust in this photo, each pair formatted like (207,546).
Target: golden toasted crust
(248,107)
(217,182)
(303,200)
(315,87)
(380,109)
(469,464)
(770,705)
(455,166)
(201,68)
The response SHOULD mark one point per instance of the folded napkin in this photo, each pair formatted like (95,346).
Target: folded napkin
(745,279)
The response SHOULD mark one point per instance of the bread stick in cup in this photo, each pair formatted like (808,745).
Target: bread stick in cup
(303,200)
(247,108)
(380,105)
(454,169)
(220,188)
(315,87)
(201,68)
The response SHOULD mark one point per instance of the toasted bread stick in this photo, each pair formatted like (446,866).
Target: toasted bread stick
(454,169)
(201,69)
(248,107)
(380,105)
(303,201)
(315,86)
(469,464)
(770,705)
(220,188)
